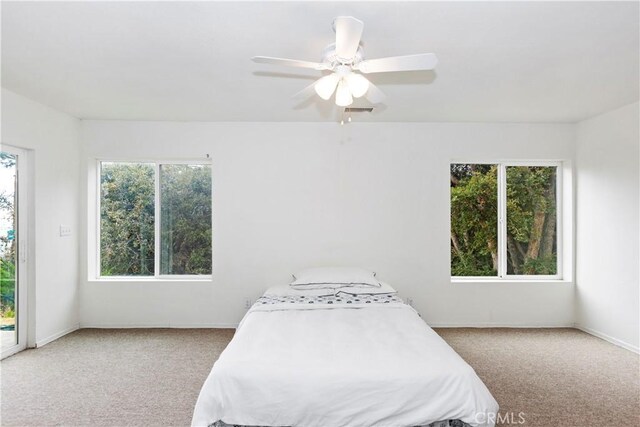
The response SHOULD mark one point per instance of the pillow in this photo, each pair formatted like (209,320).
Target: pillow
(334,277)
(286,290)
(368,290)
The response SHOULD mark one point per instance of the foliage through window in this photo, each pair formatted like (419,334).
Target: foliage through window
(8,244)
(150,226)
(504,220)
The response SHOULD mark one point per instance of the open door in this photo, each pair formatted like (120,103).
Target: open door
(13,250)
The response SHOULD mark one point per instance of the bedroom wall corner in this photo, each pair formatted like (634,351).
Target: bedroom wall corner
(608,254)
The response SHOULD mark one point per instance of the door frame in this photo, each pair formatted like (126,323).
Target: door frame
(22,236)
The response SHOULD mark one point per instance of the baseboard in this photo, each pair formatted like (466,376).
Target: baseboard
(47,340)
(157,325)
(609,338)
(499,325)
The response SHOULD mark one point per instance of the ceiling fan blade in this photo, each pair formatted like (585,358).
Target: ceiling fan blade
(348,33)
(374,95)
(419,62)
(290,62)
(306,93)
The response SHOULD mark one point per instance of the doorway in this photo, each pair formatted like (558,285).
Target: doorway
(13,250)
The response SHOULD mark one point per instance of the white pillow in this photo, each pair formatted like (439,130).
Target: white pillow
(286,290)
(368,290)
(334,277)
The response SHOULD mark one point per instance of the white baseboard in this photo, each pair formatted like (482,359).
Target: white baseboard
(47,340)
(499,325)
(609,338)
(157,325)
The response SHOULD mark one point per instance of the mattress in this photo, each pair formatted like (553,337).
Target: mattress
(340,358)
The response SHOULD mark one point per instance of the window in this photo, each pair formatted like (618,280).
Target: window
(155,219)
(505,220)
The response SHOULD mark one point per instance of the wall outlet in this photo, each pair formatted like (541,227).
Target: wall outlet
(247,303)
(409,302)
(65,230)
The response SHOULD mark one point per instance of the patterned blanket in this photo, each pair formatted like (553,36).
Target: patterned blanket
(338,298)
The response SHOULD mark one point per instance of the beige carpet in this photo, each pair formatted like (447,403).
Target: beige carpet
(556,377)
(150,377)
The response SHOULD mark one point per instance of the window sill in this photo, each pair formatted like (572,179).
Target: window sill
(207,278)
(493,280)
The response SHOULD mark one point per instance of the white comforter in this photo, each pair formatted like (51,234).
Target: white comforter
(331,365)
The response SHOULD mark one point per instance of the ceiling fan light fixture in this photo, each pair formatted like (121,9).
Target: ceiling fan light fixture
(345,60)
(343,94)
(326,86)
(358,84)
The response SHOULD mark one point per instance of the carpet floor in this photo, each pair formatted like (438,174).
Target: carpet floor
(151,377)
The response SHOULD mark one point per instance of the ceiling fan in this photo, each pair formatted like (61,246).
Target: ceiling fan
(345,60)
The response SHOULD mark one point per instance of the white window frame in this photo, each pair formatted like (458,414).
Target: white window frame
(502,275)
(157,222)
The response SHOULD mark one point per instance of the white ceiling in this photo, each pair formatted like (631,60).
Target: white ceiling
(189,61)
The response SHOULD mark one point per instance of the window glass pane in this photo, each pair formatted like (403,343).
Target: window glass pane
(127,219)
(185,212)
(8,248)
(474,220)
(531,220)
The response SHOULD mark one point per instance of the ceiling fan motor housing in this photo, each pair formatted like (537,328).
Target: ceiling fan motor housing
(329,56)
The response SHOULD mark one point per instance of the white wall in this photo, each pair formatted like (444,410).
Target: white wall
(53,138)
(292,195)
(607,228)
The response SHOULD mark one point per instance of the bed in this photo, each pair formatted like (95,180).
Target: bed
(343,356)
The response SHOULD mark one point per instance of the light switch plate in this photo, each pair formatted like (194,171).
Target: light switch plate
(65,230)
